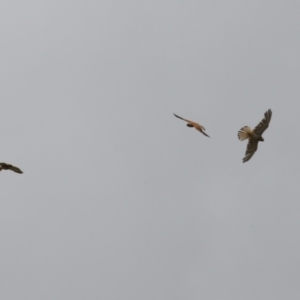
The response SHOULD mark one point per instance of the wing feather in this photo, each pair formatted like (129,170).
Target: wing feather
(16,169)
(182,118)
(251,149)
(264,123)
(204,133)
(6,166)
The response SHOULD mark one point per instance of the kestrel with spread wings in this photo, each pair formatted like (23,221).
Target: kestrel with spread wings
(254,136)
(195,125)
(4,166)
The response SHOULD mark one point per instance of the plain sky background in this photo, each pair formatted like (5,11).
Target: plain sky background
(119,199)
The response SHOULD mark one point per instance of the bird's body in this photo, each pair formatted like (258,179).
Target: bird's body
(194,124)
(254,136)
(4,166)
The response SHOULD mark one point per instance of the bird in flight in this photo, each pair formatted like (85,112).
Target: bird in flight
(254,136)
(193,124)
(4,166)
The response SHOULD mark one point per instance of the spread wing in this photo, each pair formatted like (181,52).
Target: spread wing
(183,119)
(203,132)
(264,123)
(6,166)
(16,169)
(251,149)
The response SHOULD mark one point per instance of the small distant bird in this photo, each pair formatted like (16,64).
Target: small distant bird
(254,135)
(193,124)
(4,166)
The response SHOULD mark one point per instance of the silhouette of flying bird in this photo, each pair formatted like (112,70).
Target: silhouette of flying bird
(4,166)
(254,136)
(195,125)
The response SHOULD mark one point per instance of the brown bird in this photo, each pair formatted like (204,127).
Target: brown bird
(4,166)
(254,136)
(193,124)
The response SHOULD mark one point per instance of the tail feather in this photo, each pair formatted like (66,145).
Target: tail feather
(244,133)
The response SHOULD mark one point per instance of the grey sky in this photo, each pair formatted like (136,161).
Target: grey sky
(119,199)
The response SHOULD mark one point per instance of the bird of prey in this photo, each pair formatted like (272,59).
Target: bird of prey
(4,166)
(254,136)
(193,124)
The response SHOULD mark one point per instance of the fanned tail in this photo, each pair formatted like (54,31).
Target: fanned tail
(244,133)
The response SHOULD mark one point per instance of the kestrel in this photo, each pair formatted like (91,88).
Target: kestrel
(195,125)
(254,135)
(4,166)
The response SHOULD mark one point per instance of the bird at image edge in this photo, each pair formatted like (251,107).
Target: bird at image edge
(4,166)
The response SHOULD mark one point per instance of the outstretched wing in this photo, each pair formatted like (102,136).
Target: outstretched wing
(16,169)
(6,166)
(204,133)
(183,119)
(251,149)
(264,123)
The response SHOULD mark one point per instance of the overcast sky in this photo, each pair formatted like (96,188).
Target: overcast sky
(119,199)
